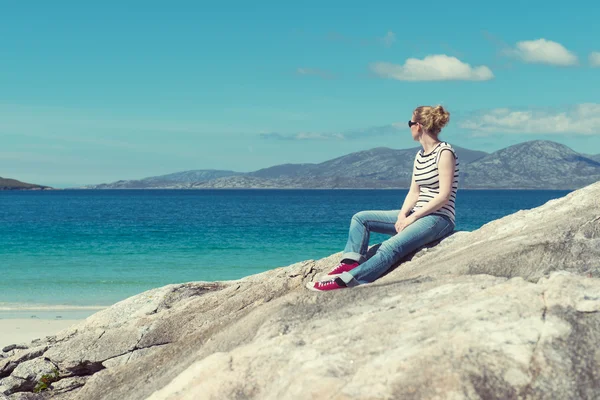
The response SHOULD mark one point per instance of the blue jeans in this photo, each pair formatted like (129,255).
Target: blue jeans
(421,232)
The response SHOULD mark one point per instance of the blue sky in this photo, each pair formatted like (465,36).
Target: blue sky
(95,92)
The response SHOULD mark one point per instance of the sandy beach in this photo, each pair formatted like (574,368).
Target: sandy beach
(13,331)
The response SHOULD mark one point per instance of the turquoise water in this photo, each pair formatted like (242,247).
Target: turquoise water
(93,248)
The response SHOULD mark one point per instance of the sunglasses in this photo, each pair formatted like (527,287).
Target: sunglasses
(411,123)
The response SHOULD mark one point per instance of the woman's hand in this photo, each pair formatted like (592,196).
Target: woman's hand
(400,221)
(403,222)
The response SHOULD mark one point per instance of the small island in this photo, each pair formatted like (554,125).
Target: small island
(13,184)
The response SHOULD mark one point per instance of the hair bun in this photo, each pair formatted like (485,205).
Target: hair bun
(433,119)
(440,116)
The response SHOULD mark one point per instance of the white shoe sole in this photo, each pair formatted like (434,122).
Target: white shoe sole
(311,286)
(328,277)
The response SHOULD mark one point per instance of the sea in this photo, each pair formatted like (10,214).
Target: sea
(67,253)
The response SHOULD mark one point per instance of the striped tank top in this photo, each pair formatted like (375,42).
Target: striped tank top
(425,172)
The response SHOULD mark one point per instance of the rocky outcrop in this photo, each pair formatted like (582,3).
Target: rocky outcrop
(511,310)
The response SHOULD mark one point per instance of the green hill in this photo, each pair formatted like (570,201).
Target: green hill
(13,184)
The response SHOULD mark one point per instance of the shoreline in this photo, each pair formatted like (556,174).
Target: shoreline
(316,189)
(20,324)
(23,331)
(47,311)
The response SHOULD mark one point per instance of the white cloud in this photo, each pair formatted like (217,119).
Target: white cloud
(315,72)
(595,59)
(319,136)
(432,68)
(303,136)
(583,119)
(542,51)
(389,39)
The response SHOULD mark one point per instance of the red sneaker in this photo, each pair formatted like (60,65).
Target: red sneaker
(343,267)
(323,286)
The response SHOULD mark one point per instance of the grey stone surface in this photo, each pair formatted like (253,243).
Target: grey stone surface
(68,384)
(7,365)
(130,357)
(460,337)
(10,347)
(12,384)
(33,370)
(511,310)
(25,396)
(84,353)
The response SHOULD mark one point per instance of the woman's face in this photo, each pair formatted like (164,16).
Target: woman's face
(414,129)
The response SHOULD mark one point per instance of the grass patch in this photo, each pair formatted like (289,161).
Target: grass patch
(46,381)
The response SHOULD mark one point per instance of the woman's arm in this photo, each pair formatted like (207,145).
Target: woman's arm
(446,167)
(411,198)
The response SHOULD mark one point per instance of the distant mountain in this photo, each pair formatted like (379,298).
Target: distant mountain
(282,170)
(467,156)
(178,180)
(595,157)
(13,184)
(378,163)
(529,165)
(380,167)
(192,176)
(537,164)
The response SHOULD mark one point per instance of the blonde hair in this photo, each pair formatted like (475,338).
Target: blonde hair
(433,119)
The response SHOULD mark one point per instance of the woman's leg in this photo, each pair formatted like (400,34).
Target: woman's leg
(423,231)
(361,225)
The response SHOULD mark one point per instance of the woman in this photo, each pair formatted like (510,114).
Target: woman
(427,213)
